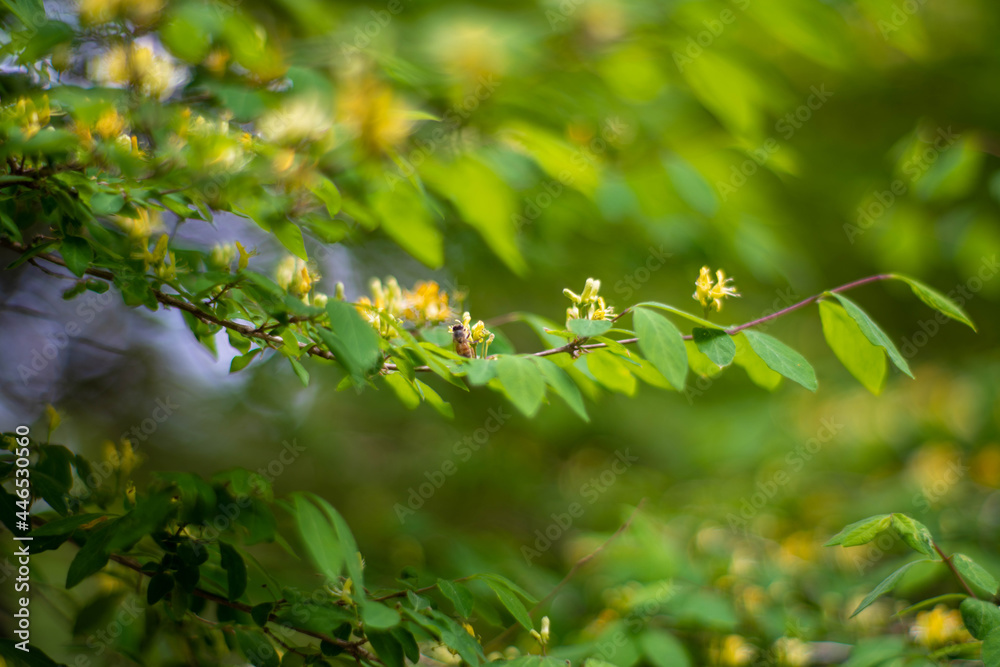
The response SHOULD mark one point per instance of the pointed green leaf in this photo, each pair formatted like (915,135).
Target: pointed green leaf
(975,574)
(557,378)
(715,344)
(236,570)
(352,340)
(379,616)
(873,333)
(886,585)
(588,328)
(863,359)
(458,595)
(782,359)
(662,649)
(756,369)
(913,533)
(511,602)
(661,342)
(522,381)
(981,617)
(861,532)
(77,254)
(937,301)
(610,370)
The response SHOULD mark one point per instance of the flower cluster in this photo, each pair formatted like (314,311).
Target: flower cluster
(426,304)
(708,293)
(478,333)
(29,115)
(939,627)
(294,275)
(136,65)
(542,637)
(588,302)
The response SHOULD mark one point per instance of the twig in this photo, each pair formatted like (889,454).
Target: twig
(577,566)
(314,350)
(954,570)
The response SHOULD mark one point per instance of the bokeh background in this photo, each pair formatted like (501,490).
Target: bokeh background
(797,144)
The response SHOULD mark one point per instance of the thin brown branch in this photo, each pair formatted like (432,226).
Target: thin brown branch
(314,350)
(954,570)
(577,566)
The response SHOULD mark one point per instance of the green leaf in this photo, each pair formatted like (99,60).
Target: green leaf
(936,300)
(522,381)
(236,570)
(756,369)
(319,538)
(557,378)
(77,253)
(106,203)
(861,532)
(403,215)
(610,370)
(290,236)
(661,342)
(913,533)
(782,359)
(261,613)
(991,649)
(715,344)
(589,328)
(328,193)
(873,333)
(387,648)
(458,595)
(379,616)
(511,602)
(863,359)
(691,186)
(439,404)
(159,586)
(975,574)
(981,617)
(886,585)
(352,340)
(663,649)
(93,556)
(242,361)
(300,371)
(256,648)
(480,371)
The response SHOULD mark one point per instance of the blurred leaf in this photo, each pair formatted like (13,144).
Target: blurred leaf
(319,538)
(937,301)
(236,570)
(77,253)
(609,370)
(405,218)
(587,328)
(458,595)
(256,648)
(663,649)
(886,586)
(861,532)
(556,378)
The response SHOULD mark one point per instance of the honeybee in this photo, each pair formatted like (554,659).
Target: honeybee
(461,338)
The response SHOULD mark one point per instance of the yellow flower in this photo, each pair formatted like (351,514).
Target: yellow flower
(706,292)
(595,306)
(426,303)
(371,111)
(300,119)
(294,275)
(939,627)
(141,228)
(543,636)
(734,651)
(244,255)
(109,123)
(137,66)
(792,652)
